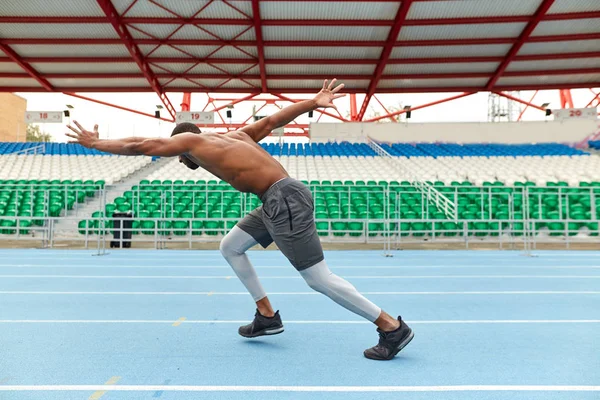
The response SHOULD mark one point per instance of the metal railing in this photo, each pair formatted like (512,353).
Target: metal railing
(41,149)
(383,219)
(433,195)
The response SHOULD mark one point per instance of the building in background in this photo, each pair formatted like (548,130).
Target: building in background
(12,118)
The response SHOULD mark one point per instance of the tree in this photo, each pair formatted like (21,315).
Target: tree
(35,134)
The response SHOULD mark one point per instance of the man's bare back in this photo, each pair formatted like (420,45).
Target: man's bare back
(237,159)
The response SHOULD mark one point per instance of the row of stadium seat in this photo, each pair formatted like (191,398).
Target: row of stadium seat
(484,150)
(347,149)
(39,199)
(572,169)
(49,148)
(348,207)
(95,167)
(319,149)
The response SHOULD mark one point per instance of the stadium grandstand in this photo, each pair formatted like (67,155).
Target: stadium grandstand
(380,183)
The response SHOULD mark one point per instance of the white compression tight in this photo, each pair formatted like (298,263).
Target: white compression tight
(318,277)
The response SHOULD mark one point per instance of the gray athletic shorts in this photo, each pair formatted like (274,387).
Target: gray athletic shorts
(286,218)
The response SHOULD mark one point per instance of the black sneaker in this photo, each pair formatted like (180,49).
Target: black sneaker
(262,326)
(390,343)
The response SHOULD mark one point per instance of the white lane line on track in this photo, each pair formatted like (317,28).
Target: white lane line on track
(228,277)
(193,388)
(302,322)
(288,267)
(211,293)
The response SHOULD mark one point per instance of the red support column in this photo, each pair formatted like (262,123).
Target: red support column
(259,44)
(136,54)
(533,23)
(566,101)
(353,109)
(186,102)
(385,54)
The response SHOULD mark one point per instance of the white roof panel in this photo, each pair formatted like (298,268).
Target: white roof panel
(186,83)
(571,46)
(14,82)
(448,68)
(180,68)
(588,25)
(68,50)
(468,31)
(450,51)
(233,68)
(359,10)
(442,83)
(189,8)
(541,65)
(62,8)
(121,5)
(478,8)
(548,79)
(234,52)
(334,52)
(191,32)
(81,68)
(242,84)
(218,9)
(248,35)
(10,67)
(316,84)
(350,69)
(226,32)
(147,31)
(570,6)
(48,31)
(99,82)
(178,50)
(148,9)
(176,68)
(379,33)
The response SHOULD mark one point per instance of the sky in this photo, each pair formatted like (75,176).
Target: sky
(116,123)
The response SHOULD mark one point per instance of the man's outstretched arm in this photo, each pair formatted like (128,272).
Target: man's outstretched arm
(133,146)
(262,128)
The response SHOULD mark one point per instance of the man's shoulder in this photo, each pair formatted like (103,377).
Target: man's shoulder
(238,134)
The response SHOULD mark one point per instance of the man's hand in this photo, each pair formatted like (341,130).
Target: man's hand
(326,96)
(324,99)
(82,136)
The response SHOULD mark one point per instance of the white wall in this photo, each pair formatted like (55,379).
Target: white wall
(471,132)
(349,131)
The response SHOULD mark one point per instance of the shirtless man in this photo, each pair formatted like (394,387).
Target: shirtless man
(285,217)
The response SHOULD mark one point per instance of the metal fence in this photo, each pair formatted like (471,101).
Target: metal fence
(389,216)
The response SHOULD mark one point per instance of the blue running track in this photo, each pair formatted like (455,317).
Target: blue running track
(163,325)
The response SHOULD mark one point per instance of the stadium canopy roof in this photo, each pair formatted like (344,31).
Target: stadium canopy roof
(271,46)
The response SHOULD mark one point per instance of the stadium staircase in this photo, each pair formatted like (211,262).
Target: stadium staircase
(112,192)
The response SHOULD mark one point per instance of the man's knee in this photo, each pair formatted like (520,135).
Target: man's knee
(316,283)
(228,247)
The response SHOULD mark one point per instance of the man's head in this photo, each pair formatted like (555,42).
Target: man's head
(186,127)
